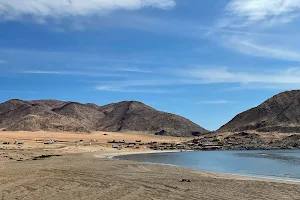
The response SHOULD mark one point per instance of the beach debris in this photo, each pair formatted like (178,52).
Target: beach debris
(138,141)
(44,156)
(79,142)
(152,142)
(132,143)
(115,141)
(180,146)
(50,142)
(185,180)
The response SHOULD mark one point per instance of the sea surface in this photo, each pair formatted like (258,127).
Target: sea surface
(278,164)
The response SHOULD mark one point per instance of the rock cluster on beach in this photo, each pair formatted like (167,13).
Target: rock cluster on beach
(243,141)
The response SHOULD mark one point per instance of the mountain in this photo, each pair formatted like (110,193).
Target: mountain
(132,115)
(281,113)
(53,115)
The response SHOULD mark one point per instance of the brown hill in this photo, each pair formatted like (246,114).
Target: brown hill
(280,113)
(53,115)
(132,115)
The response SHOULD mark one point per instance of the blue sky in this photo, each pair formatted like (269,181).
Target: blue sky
(205,60)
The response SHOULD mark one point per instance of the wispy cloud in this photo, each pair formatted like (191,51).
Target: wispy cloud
(130,90)
(72,73)
(16,9)
(19,91)
(148,85)
(247,12)
(215,102)
(223,75)
(235,80)
(133,69)
(247,46)
(262,17)
(177,27)
(79,56)
(2,62)
(263,86)
(147,82)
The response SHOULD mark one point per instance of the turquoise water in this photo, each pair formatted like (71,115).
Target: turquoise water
(282,164)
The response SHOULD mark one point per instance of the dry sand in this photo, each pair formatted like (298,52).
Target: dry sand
(83,172)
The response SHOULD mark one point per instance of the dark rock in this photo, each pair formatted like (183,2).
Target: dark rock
(196,134)
(162,132)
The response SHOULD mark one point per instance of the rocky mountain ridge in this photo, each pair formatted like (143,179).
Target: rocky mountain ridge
(281,113)
(54,115)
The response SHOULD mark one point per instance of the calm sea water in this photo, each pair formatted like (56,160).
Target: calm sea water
(282,164)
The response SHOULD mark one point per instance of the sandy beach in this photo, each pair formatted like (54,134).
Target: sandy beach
(85,172)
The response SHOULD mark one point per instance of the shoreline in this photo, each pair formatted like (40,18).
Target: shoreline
(113,156)
(125,153)
(82,175)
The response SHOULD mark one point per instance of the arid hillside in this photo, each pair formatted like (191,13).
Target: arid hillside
(280,113)
(53,115)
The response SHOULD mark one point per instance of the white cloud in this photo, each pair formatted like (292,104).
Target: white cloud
(264,86)
(139,86)
(245,12)
(79,56)
(248,46)
(223,75)
(72,73)
(235,80)
(19,91)
(16,9)
(177,27)
(141,83)
(130,90)
(263,17)
(132,69)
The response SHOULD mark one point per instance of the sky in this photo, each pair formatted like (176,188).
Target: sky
(206,60)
